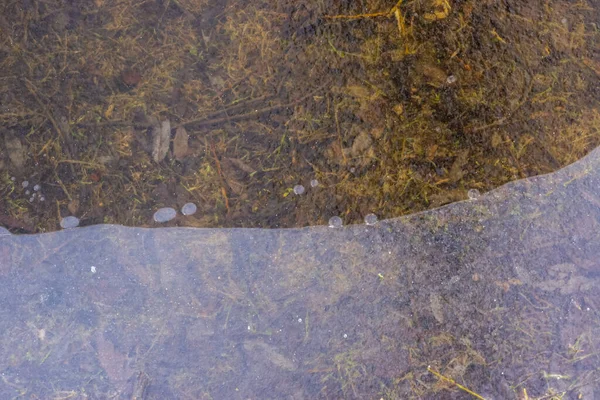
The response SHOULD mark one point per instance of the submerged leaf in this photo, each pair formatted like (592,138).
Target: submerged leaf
(180,144)
(160,140)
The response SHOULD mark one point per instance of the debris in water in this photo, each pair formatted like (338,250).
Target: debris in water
(180,144)
(16,151)
(161,134)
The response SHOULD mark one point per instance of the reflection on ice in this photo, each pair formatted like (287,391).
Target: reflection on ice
(500,295)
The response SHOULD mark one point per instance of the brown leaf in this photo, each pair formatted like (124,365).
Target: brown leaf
(112,361)
(161,135)
(16,151)
(180,144)
(73,206)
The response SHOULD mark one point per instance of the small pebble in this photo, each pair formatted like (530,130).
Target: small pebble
(370,219)
(298,189)
(189,209)
(37,188)
(25,184)
(164,214)
(473,194)
(69,222)
(314,183)
(335,222)
(451,79)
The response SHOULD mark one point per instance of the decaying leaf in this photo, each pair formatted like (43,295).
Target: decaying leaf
(161,134)
(16,151)
(180,144)
(112,361)
(241,165)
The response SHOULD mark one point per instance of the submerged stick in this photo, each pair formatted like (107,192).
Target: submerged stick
(453,382)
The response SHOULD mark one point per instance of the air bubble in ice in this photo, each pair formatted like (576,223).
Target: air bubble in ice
(164,214)
(335,222)
(370,219)
(69,222)
(473,194)
(189,209)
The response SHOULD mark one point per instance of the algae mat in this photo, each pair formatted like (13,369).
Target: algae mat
(497,296)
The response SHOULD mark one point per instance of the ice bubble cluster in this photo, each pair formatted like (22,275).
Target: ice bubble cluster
(69,222)
(164,214)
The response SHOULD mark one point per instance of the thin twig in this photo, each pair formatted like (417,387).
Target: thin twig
(215,121)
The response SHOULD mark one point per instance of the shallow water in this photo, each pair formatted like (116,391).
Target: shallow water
(499,293)
(117,110)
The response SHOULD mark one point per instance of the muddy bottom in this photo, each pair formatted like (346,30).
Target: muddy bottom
(118,110)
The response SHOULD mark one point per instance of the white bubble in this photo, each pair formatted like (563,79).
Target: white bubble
(164,214)
(12,178)
(25,184)
(27,192)
(69,222)
(298,189)
(473,194)
(37,188)
(370,219)
(451,79)
(300,320)
(189,209)
(335,222)
(314,183)
(42,198)
(31,199)
(93,269)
